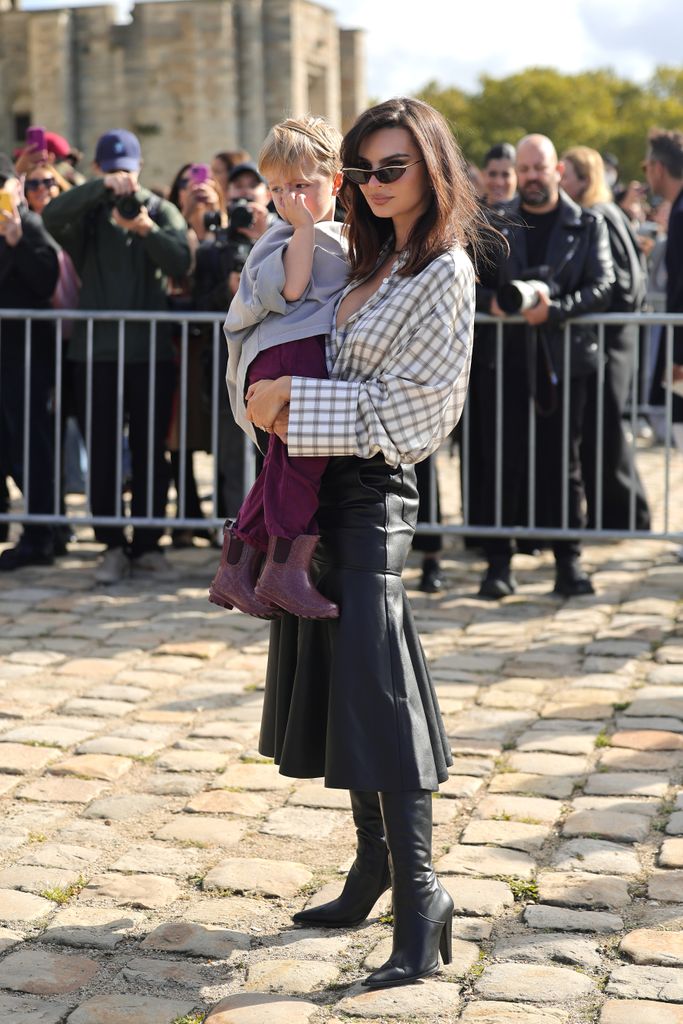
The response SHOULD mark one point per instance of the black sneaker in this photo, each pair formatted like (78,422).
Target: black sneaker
(571,580)
(24,554)
(498,581)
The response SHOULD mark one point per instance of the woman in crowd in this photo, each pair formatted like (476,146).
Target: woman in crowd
(498,174)
(223,163)
(203,207)
(499,184)
(583,179)
(351,699)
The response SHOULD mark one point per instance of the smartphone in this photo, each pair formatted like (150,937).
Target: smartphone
(6,204)
(35,136)
(199,173)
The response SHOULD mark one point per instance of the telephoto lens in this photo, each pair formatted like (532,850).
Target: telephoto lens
(518,296)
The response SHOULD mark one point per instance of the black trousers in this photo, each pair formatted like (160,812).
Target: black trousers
(548,464)
(428,543)
(106,443)
(40,422)
(617,456)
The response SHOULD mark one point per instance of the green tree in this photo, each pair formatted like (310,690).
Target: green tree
(593,108)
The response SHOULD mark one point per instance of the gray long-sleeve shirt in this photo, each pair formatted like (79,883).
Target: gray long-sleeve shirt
(260,318)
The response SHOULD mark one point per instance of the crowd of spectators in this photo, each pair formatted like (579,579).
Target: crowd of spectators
(573,239)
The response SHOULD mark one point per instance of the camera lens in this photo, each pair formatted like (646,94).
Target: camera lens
(212,220)
(128,206)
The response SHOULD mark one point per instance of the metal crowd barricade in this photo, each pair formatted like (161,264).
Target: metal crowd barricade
(185,321)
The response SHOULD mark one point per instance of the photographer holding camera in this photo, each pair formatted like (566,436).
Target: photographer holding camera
(558,268)
(125,242)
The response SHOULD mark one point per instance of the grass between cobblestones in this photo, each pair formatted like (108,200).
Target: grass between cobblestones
(62,894)
(523,890)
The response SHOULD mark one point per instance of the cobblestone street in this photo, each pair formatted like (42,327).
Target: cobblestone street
(151,859)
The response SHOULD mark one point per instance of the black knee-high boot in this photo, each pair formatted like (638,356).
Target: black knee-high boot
(423,910)
(369,874)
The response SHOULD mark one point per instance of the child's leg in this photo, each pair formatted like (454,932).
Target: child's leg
(249,523)
(291,484)
(290,502)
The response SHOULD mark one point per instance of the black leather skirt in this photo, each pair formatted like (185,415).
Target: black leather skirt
(351,699)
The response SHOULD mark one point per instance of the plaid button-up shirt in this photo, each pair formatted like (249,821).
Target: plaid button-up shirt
(398,369)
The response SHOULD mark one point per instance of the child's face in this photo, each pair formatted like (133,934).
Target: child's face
(320,189)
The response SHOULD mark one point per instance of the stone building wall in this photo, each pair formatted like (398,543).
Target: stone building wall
(190,77)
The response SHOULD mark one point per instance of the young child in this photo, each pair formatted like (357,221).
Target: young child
(276,326)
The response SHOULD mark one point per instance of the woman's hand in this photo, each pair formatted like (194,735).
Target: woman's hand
(281,424)
(265,399)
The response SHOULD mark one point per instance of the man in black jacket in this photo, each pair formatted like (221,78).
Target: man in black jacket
(562,254)
(29,268)
(664,171)
(124,243)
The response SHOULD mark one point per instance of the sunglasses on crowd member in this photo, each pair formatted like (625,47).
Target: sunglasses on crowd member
(31,184)
(384,175)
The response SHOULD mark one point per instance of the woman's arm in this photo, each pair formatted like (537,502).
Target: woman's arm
(407,409)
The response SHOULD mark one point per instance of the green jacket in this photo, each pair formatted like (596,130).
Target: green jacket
(119,270)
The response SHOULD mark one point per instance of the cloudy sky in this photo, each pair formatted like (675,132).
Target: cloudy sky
(410,42)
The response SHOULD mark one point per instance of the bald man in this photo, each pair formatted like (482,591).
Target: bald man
(563,252)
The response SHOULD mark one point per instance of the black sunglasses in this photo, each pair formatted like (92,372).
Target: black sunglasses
(384,175)
(33,183)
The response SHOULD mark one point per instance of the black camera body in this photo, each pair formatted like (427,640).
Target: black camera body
(128,206)
(233,247)
(240,215)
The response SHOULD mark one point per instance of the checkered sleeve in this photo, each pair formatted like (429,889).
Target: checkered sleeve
(410,404)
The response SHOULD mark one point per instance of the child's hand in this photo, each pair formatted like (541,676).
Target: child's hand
(265,399)
(294,209)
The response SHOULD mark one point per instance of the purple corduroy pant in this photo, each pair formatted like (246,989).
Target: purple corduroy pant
(284,498)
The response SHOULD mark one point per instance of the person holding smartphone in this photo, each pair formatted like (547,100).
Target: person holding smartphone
(29,269)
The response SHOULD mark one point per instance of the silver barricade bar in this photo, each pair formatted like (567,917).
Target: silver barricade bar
(667,322)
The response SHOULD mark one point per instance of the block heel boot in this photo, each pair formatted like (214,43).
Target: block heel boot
(423,910)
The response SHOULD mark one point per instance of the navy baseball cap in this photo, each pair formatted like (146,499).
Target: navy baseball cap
(245,168)
(118,150)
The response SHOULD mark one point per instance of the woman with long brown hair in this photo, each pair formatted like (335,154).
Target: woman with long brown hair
(583,179)
(351,699)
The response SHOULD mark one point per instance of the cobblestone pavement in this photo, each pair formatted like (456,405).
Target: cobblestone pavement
(150,858)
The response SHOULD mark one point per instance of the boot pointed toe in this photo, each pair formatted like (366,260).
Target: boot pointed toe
(390,976)
(369,875)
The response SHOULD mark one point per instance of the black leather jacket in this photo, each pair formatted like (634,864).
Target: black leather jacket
(579,267)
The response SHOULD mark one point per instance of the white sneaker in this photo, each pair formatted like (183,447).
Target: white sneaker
(114,567)
(154,564)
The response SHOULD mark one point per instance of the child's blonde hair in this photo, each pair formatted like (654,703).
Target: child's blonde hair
(299,142)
